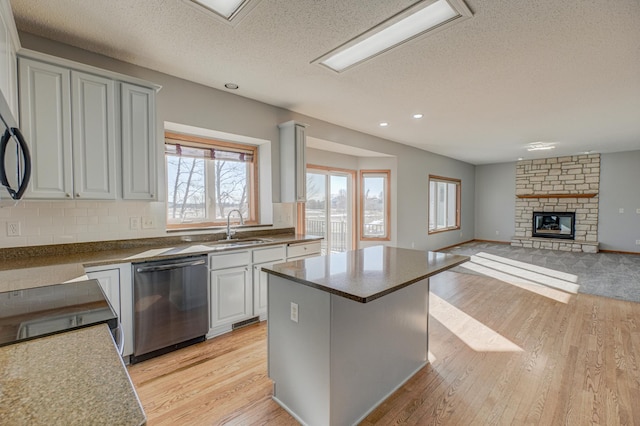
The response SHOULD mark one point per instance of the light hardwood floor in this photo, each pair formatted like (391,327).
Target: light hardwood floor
(500,355)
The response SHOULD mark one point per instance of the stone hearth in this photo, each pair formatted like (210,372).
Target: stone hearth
(561,184)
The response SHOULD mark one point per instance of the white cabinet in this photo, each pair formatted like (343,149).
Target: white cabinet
(230,290)
(231,296)
(263,257)
(138,142)
(45,117)
(293,163)
(69,161)
(80,124)
(9,44)
(303,250)
(117,285)
(94,136)
(110,282)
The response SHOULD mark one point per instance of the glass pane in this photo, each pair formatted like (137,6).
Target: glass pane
(452,200)
(374,207)
(230,192)
(441,205)
(186,189)
(432,205)
(316,207)
(339,214)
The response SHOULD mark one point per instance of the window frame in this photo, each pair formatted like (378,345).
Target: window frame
(202,142)
(458,183)
(386,174)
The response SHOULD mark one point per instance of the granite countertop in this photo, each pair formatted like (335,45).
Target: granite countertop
(366,274)
(75,377)
(44,265)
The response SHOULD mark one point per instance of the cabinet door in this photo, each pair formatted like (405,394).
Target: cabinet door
(138,143)
(260,288)
(293,166)
(231,296)
(45,120)
(301,164)
(94,136)
(110,282)
(8,68)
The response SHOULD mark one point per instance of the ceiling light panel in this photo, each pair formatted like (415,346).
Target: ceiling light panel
(229,11)
(419,19)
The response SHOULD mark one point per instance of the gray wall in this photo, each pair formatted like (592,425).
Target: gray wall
(189,103)
(495,201)
(619,188)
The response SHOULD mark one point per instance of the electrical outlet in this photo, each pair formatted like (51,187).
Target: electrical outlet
(497,232)
(638,211)
(294,312)
(638,242)
(148,222)
(620,210)
(134,223)
(13,229)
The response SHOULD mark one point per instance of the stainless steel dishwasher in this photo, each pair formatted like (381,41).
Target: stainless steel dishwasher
(170,305)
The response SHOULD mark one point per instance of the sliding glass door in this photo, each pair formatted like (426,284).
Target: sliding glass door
(329,209)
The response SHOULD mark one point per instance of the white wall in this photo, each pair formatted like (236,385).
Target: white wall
(495,202)
(185,102)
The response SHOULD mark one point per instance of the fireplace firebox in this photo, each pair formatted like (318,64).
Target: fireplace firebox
(554,225)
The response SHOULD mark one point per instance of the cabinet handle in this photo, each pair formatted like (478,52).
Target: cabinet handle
(151,195)
(77,195)
(67,195)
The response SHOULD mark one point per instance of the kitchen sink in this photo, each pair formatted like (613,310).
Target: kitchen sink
(239,242)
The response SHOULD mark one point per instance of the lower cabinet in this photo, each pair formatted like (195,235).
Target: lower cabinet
(260,289)
(231,296)
(117,285)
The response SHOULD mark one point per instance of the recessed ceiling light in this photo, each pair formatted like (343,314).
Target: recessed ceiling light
(231,86)
(419,19)
(417,116)
(384,124)
(520,158)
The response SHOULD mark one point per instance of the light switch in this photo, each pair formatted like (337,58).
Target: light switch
(621,210)
(294,312)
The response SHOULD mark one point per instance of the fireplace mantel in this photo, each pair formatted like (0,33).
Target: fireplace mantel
(557,195)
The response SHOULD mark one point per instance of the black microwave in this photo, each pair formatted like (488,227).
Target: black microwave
(15,160)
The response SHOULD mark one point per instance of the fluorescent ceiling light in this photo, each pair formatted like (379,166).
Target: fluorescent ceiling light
(384,124)
(229,11)
(417,116)
(541,146)
(415,21)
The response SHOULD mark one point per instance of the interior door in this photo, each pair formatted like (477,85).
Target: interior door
(329,209)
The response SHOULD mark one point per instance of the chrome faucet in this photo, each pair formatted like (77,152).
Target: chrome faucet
(229,234)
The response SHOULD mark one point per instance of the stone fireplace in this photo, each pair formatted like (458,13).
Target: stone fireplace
(557,203)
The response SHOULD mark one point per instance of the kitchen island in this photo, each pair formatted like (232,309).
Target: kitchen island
(346,330)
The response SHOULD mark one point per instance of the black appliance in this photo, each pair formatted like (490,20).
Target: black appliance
(171,308)
(15,160)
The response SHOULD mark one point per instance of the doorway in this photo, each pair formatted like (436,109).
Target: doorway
(330,207)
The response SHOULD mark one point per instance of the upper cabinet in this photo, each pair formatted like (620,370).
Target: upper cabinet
(78,124)
(45,120)
(138,142)
(293,163)
(9,45)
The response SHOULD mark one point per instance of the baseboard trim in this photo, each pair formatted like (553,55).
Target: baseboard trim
(620,252)
(473,241)
(455,245)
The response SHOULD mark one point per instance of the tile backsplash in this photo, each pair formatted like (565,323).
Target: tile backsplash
(60,222)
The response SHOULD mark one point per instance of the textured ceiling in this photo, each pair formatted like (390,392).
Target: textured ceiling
(517,72)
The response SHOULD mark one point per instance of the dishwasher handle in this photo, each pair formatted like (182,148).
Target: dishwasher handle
(169,266)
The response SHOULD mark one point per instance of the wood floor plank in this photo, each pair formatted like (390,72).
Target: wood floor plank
(559,363)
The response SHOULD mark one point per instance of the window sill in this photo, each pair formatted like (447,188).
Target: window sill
(439,231)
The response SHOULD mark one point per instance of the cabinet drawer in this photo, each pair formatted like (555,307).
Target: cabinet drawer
(303,249)
(268,254)
(229,260)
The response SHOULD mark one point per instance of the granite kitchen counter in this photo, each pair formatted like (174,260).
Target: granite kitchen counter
(35,266)
(366,274)
(75,377)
